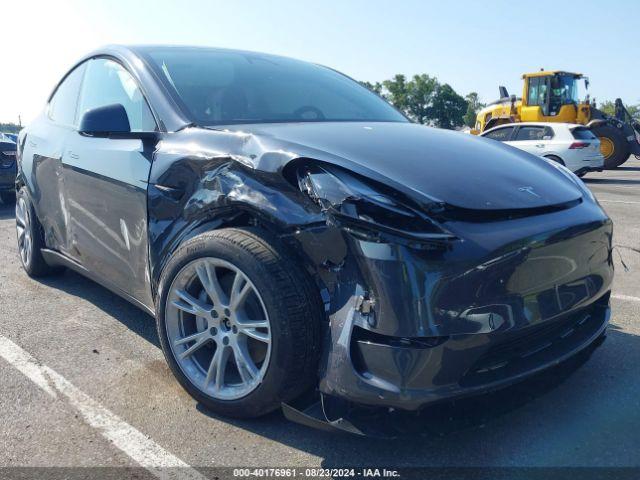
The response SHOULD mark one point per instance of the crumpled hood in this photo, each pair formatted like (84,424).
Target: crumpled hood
(462,170)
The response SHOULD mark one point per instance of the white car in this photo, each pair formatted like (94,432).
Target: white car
(574,146)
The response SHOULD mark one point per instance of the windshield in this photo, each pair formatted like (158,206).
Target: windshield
(218,87)
(564,88)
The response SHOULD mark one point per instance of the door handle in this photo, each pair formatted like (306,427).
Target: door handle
(540,145)
(73,155)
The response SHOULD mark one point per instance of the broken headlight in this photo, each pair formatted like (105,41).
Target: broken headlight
(366,211)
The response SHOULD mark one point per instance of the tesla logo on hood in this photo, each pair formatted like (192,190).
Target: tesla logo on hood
(529,190)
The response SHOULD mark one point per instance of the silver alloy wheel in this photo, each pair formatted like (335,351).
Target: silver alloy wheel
(218,328)
(23,227)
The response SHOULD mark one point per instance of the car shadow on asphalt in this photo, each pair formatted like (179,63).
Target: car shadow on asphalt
(130,316)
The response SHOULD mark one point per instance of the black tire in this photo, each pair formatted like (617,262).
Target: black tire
(293,305)
(35,265)
(8,198)
(555,159)
(620,145)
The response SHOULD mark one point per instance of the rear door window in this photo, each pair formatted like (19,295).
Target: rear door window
(501,134)
(64,103)
(530,133)
(582,133)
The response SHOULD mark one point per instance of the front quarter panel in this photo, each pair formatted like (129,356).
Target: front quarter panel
(197,186)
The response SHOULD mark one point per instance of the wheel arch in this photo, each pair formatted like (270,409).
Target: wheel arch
(555,157)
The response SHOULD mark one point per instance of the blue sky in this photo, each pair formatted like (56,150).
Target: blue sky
(473,45)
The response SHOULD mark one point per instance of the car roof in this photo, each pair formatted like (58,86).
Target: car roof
(141,49)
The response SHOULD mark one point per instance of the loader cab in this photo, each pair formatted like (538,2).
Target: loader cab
(550,97)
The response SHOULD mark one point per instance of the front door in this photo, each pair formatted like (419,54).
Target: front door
(106,185)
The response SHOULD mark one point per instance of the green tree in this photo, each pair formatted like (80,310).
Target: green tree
(396,91)
(473,107)
(374,87)
(422,90)
(609,108)
(423,99)
(448,108)
(413,97)
(10,128)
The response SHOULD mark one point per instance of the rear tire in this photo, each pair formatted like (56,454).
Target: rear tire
(8,198)
(613,145)
(31,238)
(279,290)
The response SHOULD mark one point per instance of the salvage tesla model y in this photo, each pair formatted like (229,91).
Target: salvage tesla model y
(291,232)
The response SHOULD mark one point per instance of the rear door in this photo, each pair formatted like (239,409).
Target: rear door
(531,138)
(42,159)
(106,185)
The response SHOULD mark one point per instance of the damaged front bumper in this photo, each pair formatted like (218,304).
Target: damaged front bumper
(410,327)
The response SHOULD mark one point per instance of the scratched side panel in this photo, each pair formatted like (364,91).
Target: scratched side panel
(41,171)
(106,192)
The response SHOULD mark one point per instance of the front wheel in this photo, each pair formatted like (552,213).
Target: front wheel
(239,322)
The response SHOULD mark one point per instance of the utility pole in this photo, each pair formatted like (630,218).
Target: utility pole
(19,121)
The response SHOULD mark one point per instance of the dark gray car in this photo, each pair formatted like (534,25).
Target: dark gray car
(7,169)
(293,233)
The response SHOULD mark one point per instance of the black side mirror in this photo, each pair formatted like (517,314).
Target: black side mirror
(104,121)
(110,121)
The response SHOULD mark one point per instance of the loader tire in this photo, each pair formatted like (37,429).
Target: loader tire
(613,145)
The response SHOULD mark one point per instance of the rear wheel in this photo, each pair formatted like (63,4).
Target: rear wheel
(30,238)
(613,145)
(239,322)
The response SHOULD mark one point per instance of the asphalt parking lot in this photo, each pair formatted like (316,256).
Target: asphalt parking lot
(106,352)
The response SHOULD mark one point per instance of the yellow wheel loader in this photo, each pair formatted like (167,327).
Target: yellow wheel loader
(552,96)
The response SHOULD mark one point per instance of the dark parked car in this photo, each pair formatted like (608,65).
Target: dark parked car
(7,169)
(12,136)
(291,232)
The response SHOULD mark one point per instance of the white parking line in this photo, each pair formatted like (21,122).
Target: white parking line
(618,201)
(131,441)
(626,297)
